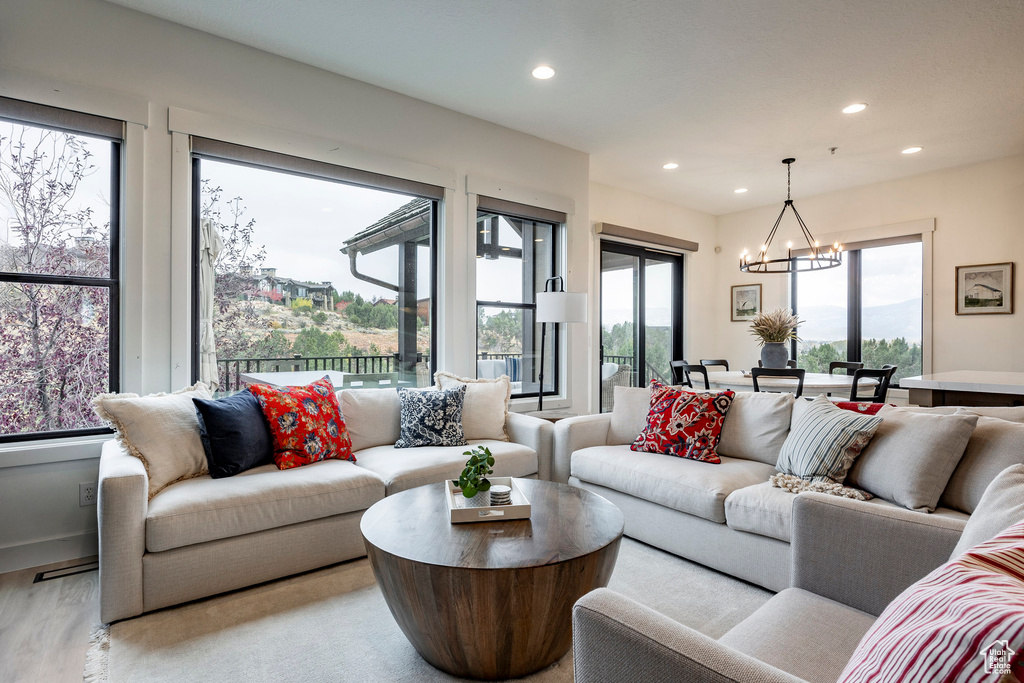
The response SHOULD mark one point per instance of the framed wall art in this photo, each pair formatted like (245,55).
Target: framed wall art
(984,289)
(745,302)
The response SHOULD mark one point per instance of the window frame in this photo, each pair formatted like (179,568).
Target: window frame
(557,222)
(854,295)
(96,127)
(251,157)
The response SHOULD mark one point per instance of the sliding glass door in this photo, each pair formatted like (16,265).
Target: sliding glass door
(641,317)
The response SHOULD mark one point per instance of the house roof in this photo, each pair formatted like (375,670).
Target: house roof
(409,221)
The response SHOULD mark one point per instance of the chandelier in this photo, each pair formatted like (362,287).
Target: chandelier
(815,259)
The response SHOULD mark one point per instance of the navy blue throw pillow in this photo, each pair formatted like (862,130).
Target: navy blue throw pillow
(234,433)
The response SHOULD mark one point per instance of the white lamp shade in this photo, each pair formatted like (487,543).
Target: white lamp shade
(561,307)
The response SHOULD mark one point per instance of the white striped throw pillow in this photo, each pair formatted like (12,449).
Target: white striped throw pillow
(962,623)
(824,441)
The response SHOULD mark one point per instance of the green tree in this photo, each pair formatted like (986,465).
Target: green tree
(302,305)
(312,342)
(501,332)
(347,295)
(274,345)
(319,318)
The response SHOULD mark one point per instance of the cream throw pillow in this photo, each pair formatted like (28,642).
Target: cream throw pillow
(161,430)
(486,406)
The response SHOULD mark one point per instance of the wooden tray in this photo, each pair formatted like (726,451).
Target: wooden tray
(459,512)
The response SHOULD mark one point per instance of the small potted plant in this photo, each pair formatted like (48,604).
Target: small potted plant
(774,329)
(473,481)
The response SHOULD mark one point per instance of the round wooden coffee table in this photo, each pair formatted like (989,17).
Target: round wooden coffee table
(491,600)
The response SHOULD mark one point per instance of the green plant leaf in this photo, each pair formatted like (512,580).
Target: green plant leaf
(469,491)
(485,485)
(490,460)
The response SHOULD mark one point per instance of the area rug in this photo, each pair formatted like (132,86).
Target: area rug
(333,625)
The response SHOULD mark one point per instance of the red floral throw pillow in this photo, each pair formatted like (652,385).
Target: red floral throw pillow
(305,423)
(684,423)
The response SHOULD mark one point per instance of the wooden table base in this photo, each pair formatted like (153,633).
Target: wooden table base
(489,624)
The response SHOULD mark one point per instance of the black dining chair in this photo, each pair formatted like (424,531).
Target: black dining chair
(789,364)
(709,362)
(681,374)
(882,376)
(792,373)
(843,365)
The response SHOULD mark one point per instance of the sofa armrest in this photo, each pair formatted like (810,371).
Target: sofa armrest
(535,433)
(863,554)
(122,503)
(617,639)
(573,434)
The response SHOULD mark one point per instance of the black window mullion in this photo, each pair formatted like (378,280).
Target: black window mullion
(640,353)
(853,308)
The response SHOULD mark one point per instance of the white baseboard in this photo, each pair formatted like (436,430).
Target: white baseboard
(38,553)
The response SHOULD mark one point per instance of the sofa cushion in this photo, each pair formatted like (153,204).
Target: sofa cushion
(801,633)
(403,469)
(824,440)
(1002,506)
(912,457)
(765,510)
(687,424)
(205,509)
(629,414)
(994,445)
(690,486)
(305,423)
(372,416)
(161,430)
(431,417)
(756,426)
(485,409)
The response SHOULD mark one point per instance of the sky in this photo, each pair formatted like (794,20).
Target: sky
(617,295)
(303,223)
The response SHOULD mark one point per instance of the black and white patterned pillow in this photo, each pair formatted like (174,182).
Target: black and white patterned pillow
(431,418)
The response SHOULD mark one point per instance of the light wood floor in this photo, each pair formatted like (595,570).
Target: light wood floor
(44,627)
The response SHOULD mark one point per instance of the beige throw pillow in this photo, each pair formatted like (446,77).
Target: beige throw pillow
(485,408)
(373,417)
(161,430)
(994,446)
(1001,506)
(911,458)
(756,426)
(629,414)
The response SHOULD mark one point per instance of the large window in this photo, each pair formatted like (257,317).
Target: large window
(515,256)
(60,176)
(867,310)
(300,268)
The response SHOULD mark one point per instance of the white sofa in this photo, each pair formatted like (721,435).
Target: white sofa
(204,536)
(725,516)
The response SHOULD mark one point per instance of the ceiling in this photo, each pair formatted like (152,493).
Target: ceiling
(724,88)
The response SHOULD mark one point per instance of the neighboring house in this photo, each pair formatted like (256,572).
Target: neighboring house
(385,302)
(284,290)
(980,291)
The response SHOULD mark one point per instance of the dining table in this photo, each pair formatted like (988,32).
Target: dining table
(814,383)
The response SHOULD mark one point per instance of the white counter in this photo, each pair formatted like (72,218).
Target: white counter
(980,381)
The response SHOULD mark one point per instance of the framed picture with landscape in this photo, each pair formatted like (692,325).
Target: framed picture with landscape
(984,289)
(745,302)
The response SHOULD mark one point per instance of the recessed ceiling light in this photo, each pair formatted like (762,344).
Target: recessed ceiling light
(912,150)
(740,190)
(670,166)
(543,72)
(854,108)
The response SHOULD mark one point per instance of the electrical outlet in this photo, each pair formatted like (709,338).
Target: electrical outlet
(87,494)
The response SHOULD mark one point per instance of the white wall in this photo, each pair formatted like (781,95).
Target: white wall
(632,210)
(979,218)
(94,45)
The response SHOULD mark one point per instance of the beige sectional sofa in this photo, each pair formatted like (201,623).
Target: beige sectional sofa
(724,516)
(850,560)
(204,536)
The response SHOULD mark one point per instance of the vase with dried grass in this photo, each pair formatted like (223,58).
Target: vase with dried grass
(774,329)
